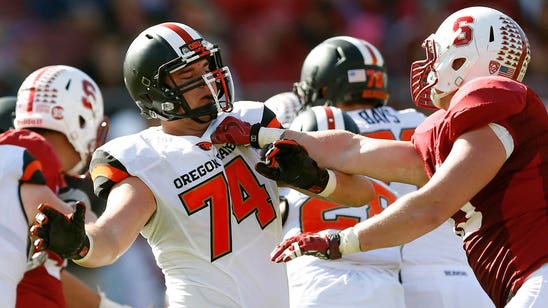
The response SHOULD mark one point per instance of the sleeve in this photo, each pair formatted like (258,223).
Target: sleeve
(106,171)
(483,101)
(269,119)
(32,170)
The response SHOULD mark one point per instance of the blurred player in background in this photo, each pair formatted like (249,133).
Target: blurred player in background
(342,282)
(59,120)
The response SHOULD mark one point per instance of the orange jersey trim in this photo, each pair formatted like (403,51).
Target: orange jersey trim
(274,123)
(30,170)
(110,172)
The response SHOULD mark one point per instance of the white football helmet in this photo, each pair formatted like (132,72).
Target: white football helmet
(63,99)
(472,42)
(286,106)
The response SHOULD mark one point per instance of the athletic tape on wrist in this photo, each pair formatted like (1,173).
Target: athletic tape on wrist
(331,185)
(268,135)
(350,243)
(87,256)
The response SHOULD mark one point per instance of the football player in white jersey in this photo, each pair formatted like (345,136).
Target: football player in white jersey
(342,282)
(209,217)
(350,73)
(23,187)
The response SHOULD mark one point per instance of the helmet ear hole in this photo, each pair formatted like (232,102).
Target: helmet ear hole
(323,92)
(458,63)
(82,122)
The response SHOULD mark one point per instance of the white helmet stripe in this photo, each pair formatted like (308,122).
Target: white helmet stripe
(329,118)
(177,35)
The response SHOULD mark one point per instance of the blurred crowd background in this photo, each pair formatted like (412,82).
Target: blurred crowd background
(264,42)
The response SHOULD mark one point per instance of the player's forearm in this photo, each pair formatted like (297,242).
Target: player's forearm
(410,217)
(105,246)
(352,190)
(332,149)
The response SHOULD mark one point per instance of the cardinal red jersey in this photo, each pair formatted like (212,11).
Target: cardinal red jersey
(38,147)
(505,224)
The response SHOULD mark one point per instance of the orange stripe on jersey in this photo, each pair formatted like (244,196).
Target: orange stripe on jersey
(30,170)
(110,172)
(274,123)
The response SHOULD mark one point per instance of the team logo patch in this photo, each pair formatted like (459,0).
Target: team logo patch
(204,145)
(493,67)
(57,112)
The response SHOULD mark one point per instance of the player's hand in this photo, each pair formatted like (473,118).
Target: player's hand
(287,161)
(310,244)
(61,233)
(235,131)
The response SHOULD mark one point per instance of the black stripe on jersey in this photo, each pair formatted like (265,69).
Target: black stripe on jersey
(102,184)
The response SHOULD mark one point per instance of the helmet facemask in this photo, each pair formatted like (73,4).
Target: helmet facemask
(218,80)
(307,94)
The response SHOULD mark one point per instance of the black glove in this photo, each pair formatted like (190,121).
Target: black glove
(287,161)
(60,233)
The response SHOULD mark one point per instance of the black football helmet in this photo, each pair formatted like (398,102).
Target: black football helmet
(350,70)
(159,51)
(323,118)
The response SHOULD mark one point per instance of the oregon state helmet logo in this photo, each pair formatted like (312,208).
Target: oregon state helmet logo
(204,145)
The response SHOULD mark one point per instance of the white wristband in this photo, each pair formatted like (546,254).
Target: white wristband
(87,256)
(350,242)
(268,135)
(331,185)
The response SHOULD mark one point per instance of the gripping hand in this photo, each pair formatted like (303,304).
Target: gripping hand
(236,131)
(311,244)
(287,161)
(60,233)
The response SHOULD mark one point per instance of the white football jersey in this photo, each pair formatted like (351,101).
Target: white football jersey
(16,167)
(306,214)
(441,245)
(217,220)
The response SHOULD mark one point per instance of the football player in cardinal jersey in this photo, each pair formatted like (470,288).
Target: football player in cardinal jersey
(481,159)
(342,282)
(350,73)
(58,119)
(209,217)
